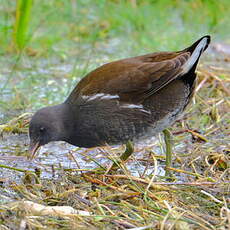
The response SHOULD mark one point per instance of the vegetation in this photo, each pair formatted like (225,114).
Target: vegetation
(45,48)
(21,24)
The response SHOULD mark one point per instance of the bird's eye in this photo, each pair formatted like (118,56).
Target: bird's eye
(42,129)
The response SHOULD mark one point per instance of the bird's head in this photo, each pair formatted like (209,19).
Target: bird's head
(45,126)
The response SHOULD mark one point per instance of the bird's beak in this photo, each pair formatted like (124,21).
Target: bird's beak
(34,146)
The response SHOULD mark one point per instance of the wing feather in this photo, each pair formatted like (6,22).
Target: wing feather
(132,79)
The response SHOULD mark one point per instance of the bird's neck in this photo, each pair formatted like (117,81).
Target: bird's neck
(69,119)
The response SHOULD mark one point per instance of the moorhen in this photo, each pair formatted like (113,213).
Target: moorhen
(124,100)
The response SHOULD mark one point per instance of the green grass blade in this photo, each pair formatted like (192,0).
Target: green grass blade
(21,26)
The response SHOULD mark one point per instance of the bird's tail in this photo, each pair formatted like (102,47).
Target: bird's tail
(196,49)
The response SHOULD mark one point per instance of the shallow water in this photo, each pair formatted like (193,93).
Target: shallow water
(56,156)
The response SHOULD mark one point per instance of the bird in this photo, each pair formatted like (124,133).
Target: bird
(126,100)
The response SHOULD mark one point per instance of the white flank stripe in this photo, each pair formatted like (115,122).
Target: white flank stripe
(103,96)
(108,96)
(100,96)
(133,106)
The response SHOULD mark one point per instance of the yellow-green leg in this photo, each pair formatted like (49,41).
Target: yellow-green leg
(168,145)
(127,153)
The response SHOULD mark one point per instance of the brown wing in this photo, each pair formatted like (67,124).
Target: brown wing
(132,79)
